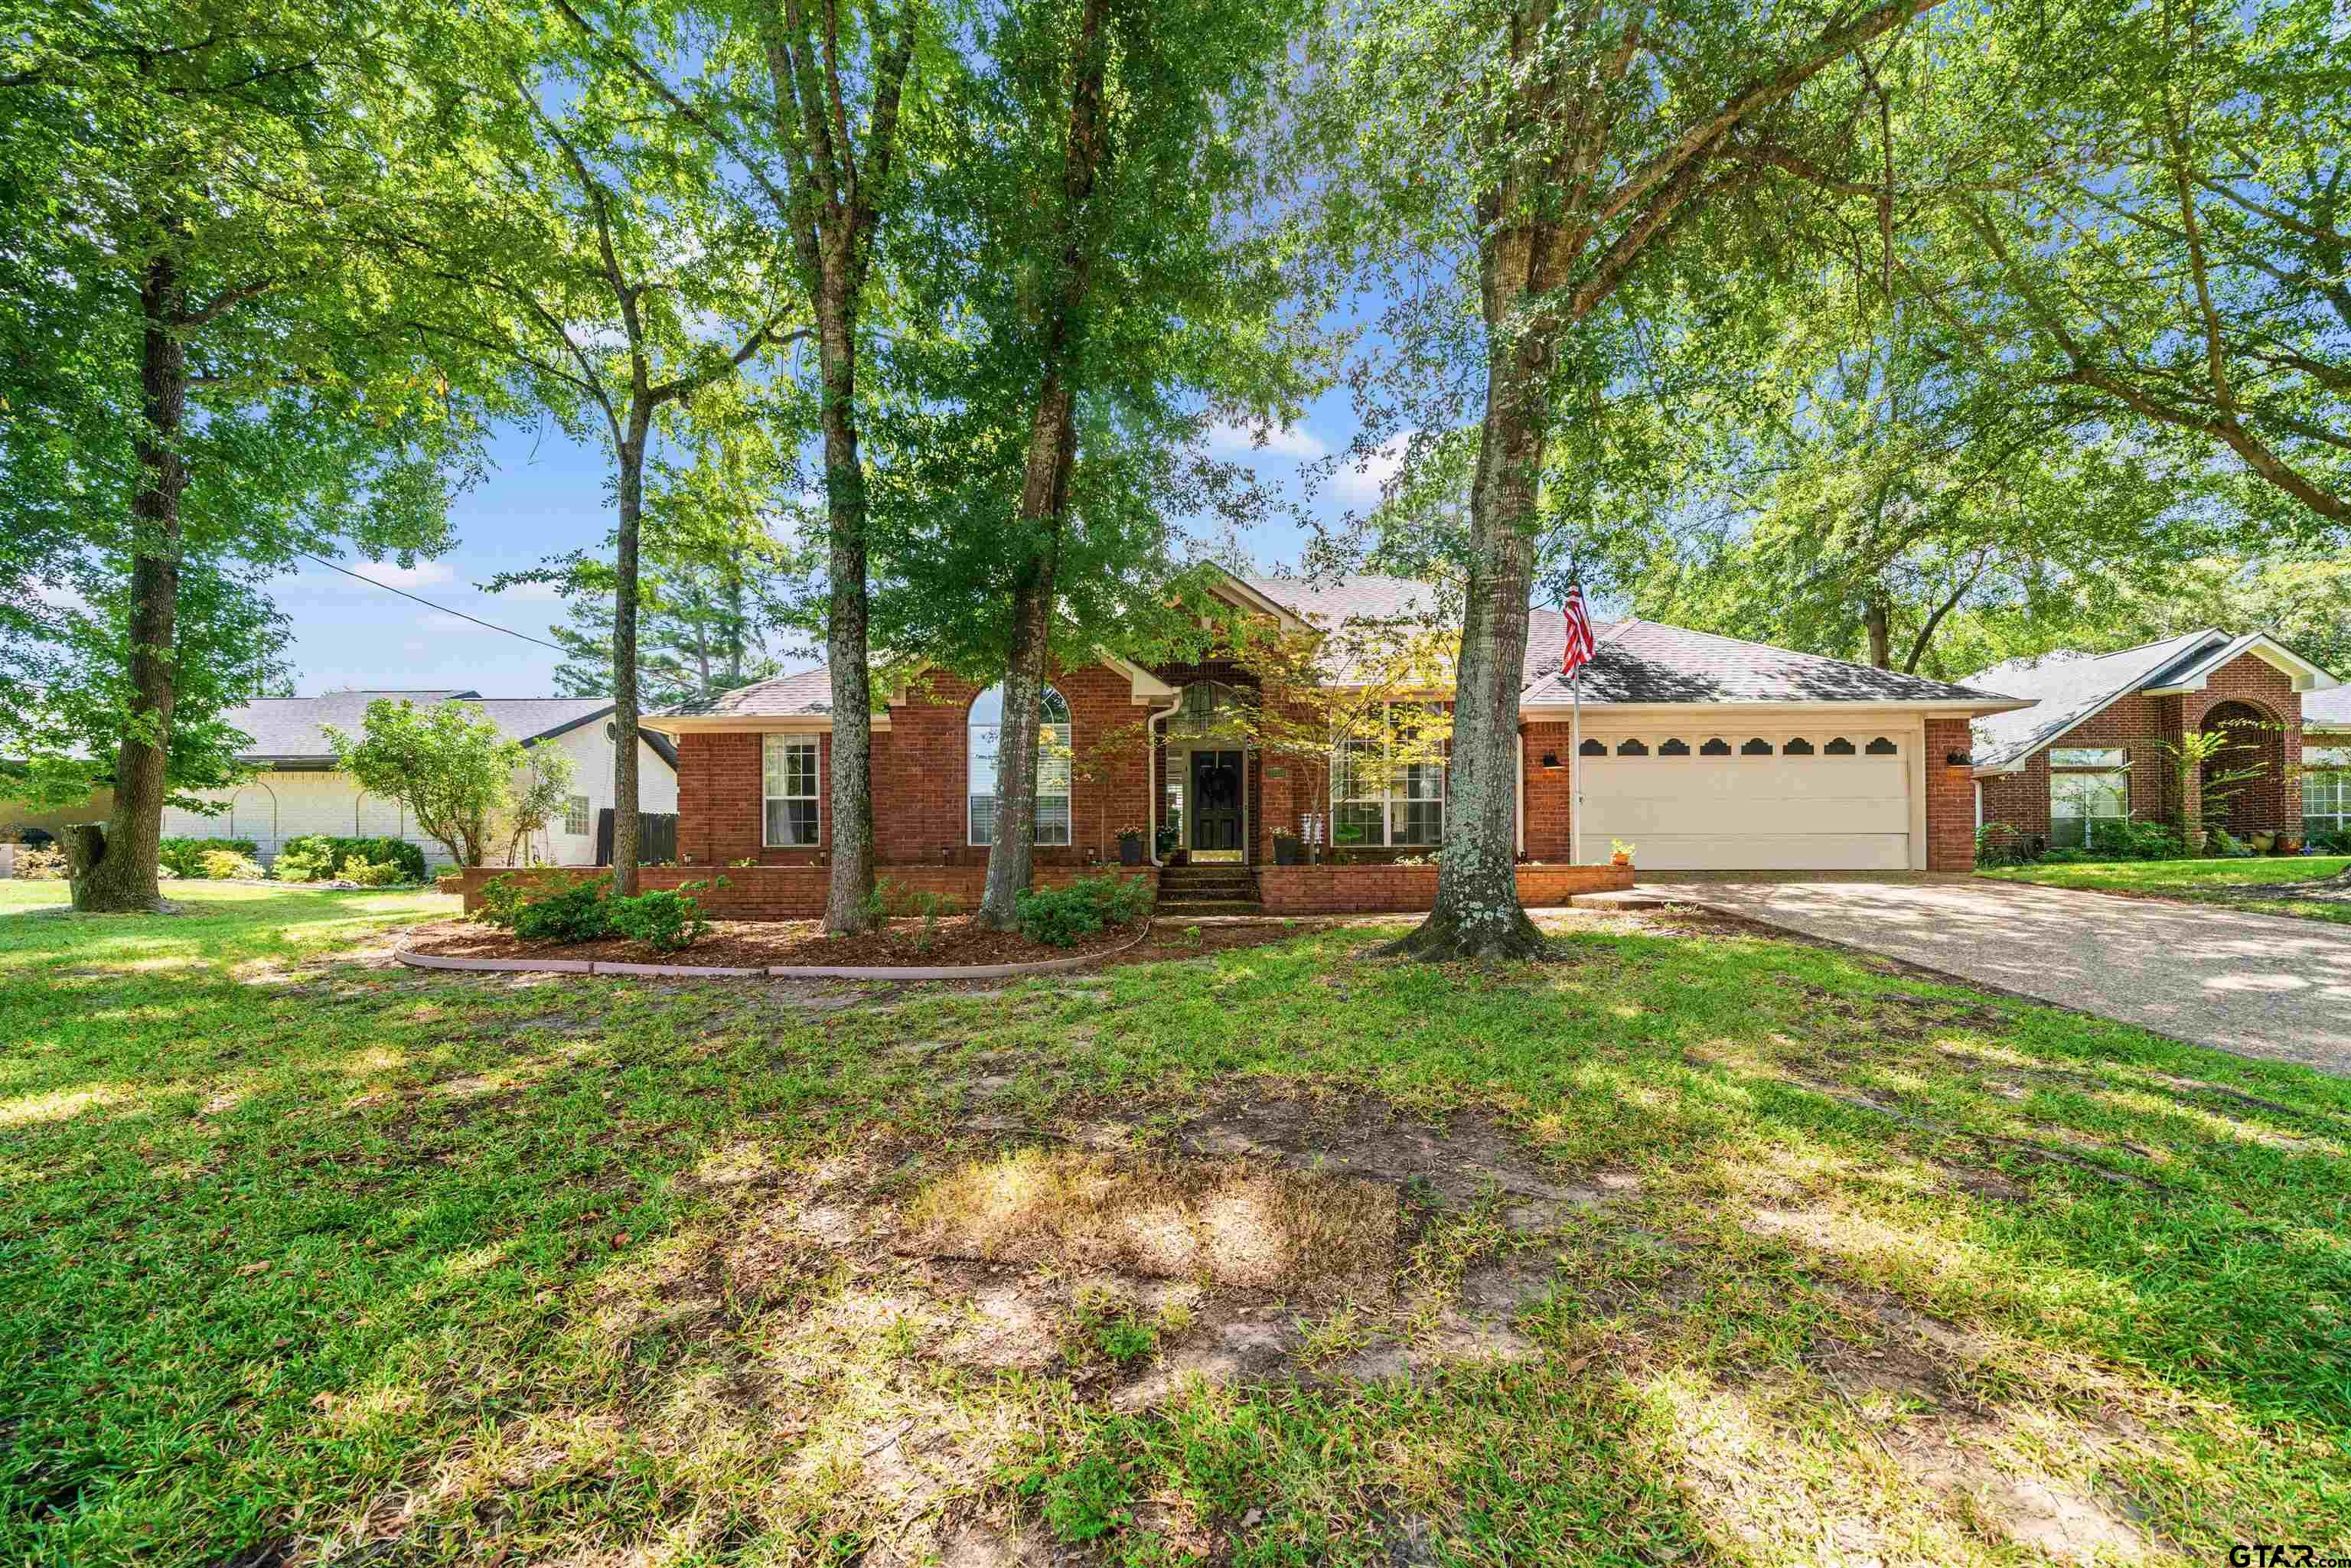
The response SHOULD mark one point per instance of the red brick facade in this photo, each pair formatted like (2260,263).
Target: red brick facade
(2137,722)
(1951,797)
(1374,889)
(777,892)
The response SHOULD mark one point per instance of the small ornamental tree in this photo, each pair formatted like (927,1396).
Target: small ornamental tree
(457,773)
(1370,690)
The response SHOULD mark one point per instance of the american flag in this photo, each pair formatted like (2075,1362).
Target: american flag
(1581,644)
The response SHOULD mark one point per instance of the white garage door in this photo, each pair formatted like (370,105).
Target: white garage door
(1752,802)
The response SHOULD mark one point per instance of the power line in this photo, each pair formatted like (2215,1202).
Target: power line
(428,604)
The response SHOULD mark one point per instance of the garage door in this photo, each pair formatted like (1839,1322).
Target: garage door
(1750,802)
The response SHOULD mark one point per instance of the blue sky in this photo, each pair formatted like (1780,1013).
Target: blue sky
(545,494)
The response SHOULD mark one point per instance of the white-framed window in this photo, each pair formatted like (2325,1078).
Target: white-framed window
(2325,790)
(1377,800)
(1053,754)
(576,816)
(2087,784)
(788,784)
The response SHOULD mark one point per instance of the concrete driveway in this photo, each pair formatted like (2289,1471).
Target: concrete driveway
(2259,984)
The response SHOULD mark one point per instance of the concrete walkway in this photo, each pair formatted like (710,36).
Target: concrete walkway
(2265,986)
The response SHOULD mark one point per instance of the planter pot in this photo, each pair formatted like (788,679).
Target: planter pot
(1179,857)
(1130,850)
(2199,841)
(2262,842)
(2289,844)
(1620,860)
(1288,852)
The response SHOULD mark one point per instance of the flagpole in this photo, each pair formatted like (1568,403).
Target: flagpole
(1575,774)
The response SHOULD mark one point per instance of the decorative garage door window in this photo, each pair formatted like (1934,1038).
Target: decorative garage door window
(1754,746)
(1052,767)
(2087,784)
(790,772)
(2325,790)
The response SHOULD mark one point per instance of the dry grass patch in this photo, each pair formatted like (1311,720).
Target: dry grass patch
(1251,1224)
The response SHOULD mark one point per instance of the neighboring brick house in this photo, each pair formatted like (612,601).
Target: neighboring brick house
(1706,751)
(2092,747)
(298,790)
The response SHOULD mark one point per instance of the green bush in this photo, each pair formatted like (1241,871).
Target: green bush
(228,865)
(1064,916)
(2131,840)
(2335,843)
(186,856)
(893,900)
(372,873)
(317,857)
(665,919)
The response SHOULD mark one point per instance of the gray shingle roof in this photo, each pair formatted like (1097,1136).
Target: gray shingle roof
(1648,662)
(2067,688)
(805,694)
(291,731)
(2328,710)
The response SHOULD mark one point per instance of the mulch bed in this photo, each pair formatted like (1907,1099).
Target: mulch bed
(755,943)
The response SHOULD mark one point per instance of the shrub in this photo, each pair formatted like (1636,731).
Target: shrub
(372,873)
(228,865)
(665,920)
(1063,916)
(2335,843)
(2131,840)
(1998,843)
(333,857)
(186,856)
(893,900)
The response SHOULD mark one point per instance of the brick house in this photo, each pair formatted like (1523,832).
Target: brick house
(1705,752)
(2091,746)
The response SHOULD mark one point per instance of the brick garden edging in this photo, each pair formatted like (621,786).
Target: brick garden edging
(772,971)
(1407,889)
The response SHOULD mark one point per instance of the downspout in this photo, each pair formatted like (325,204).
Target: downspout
(1151,740)
(1519,793)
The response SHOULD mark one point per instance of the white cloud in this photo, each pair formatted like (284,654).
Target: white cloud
(1362,479)
(423,574)
(1287,441)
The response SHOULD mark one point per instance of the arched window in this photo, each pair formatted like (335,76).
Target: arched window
(1799,747)
(1839,747)
(1881,746)
(1718,746)
(1052,767)
(1758,747)
(1630,749)
(1208,708)
(1673,748)
(1592,749)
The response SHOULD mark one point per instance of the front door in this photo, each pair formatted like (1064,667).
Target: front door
(1217,800)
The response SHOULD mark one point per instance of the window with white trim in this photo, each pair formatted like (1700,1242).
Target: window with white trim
(789,768)
(2325,790)
(2087,784)
(1382,798)
(575,816)
(1054,757)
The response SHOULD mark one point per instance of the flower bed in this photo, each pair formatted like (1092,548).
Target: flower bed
(1406,889)
(953,941)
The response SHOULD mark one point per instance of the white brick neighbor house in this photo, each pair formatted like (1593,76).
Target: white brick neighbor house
(298,790)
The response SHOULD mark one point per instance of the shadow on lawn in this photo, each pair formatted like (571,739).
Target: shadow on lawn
(1822,1260)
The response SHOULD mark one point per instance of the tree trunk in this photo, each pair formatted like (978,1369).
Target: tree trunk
(1477,913)
(1880,626)
(851,884)
(1045,483)
(126,879)
(625,823)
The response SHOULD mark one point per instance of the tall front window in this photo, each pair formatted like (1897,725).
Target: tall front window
(1052,767)
(2087,784)
(789,768)
(2325,790)
(1390,791)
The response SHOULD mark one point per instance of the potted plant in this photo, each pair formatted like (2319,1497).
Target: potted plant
(1130,846)
(1288,848)
(1620,852)
(2264,840)
(2289,842)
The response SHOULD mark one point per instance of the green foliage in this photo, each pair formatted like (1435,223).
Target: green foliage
(2130,838)
(455,771)
(228,865)
(373,873)
(317,857)
(893,900)
(665,919)
(185,857)
(1064,916)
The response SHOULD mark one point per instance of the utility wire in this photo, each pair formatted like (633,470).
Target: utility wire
(428,604)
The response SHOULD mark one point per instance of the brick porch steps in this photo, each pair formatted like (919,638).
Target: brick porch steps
(1198,890)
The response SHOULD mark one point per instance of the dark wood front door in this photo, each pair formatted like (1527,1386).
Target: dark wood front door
(1217,800)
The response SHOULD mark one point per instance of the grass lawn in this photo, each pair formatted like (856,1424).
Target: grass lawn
(2201,881)
(1691,1246)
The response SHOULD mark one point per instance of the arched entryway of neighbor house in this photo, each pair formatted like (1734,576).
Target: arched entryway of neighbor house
(2242,787)
(1205,788)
